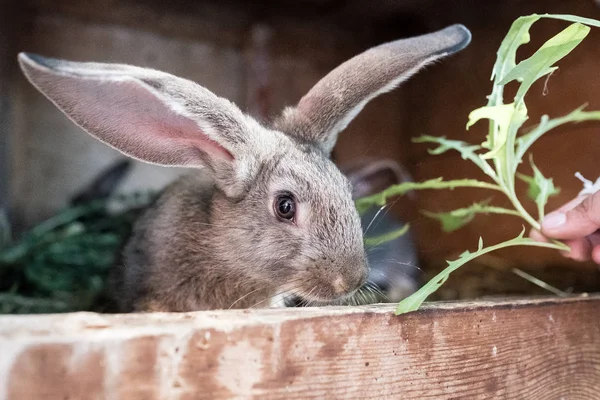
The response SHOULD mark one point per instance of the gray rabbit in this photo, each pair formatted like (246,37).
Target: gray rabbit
(270,216)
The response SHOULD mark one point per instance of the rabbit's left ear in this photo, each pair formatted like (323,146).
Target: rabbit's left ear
(337,98)
(154,117)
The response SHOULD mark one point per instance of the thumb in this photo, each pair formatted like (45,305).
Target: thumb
(578,222)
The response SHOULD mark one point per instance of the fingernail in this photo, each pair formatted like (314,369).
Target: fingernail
(554,220)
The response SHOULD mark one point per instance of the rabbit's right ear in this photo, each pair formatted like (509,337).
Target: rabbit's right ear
(152,116)
(337,98)
(370,176)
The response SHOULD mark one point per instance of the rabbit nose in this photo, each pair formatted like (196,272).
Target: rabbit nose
(343,285)
(351,283)
(339,285)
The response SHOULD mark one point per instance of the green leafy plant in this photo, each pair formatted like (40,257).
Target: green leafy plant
(62,264)
(505,145)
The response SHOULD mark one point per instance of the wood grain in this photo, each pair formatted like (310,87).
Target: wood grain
(520,349)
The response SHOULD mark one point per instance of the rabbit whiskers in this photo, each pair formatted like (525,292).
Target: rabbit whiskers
(264,288)
(375,217)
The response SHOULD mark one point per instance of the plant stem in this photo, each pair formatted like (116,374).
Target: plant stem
(413,302)
(539,282)
(519,207)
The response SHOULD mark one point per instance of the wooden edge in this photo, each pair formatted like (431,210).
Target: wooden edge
(521,349)
(89,323)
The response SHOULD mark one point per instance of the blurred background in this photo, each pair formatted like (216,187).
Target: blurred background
(264,55)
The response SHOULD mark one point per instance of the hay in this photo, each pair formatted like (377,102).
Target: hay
(62,264)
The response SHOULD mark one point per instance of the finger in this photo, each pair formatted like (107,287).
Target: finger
(582,220)
(538,236)
(596,254)
(580,249)
(571,204)
(594,238)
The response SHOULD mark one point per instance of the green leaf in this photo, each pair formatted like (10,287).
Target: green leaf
(379,199)
(572,18)
(540,188)
(500,129)
(517,35)
(532,188)
(504,126)
(507,119)
(413,302)
(466,150)
(544,188)
(373,241)
(12,303)
(542,61)
(456,219)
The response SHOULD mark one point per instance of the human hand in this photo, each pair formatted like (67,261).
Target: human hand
(577,224)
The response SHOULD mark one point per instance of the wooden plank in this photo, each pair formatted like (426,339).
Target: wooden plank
(522,349)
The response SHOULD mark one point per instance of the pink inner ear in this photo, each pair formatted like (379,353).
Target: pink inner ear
(127,116)
(212,147)
(176,128)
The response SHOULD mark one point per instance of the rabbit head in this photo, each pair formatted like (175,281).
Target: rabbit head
(280,212)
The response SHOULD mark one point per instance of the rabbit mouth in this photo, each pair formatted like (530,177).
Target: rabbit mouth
(308,300)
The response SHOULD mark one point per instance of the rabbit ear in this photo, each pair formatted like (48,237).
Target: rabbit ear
(337,98)
(149,115)
(370,176)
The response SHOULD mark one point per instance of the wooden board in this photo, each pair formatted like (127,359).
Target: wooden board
(523,349)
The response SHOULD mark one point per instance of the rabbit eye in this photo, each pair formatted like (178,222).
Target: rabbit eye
(285,207)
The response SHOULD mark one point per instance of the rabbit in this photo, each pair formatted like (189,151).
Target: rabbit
(393,265)
(269,215)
